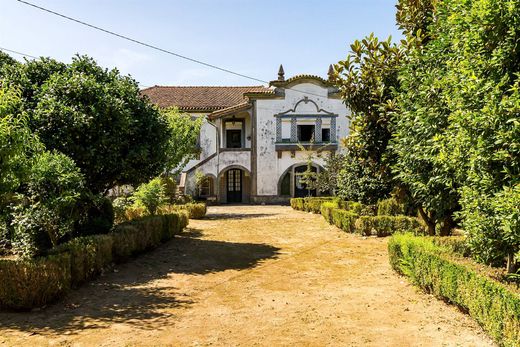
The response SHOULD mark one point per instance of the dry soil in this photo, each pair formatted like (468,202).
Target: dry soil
(250,276)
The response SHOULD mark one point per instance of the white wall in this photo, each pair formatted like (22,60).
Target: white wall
(269,167)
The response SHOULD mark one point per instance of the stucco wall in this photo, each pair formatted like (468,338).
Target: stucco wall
(269,167)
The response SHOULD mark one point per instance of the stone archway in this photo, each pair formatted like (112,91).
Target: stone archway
(234,185)
(288,182)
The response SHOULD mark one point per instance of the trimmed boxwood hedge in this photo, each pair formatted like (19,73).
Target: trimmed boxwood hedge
(196,210)
(387,225)
(437,270)
(310,204)
(33,283)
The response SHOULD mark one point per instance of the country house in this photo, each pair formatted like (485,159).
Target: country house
(255,140)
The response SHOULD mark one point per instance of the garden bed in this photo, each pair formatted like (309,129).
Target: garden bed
(439,270)
(27,284)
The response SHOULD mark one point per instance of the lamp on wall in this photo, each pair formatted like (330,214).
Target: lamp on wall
(233,120)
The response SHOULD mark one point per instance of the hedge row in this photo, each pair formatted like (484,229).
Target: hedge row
(196,210)
(33,283)
(353,222)
(310,204)
(437,270)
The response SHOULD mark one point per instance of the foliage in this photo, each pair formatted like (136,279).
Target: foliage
(45,214)
(17,145)
(310,204)
(459,113)
(437,271)
(195,210)
(387,225)
(36,282)
(361,181)
(170,188)
(183,141)
(120,205)
(327,180)
(151,195)
(33,283)
(414,17)
(366,80)
(344,219)
(95,215)
(390,207)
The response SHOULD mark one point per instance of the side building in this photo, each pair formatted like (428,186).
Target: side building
(255,141)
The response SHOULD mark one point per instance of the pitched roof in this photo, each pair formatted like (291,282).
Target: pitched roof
(200,98)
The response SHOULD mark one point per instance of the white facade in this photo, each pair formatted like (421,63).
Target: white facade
(252,152)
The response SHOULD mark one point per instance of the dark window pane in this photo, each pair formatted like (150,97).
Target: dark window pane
(305,133)
(325,135)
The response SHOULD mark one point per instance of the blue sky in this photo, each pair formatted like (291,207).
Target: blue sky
(246,36)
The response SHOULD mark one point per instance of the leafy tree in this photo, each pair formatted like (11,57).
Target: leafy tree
(99,119)
(183,142)
(366,80)
(415,16)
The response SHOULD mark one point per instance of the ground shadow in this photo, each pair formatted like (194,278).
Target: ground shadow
(237,216)
(127,294)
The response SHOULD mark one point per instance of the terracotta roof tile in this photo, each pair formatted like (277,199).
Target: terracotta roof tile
(200,98)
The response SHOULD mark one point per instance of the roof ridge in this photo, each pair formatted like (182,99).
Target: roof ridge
(199,86)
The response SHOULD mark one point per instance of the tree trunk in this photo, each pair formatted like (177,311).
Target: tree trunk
(446,227)
(511,264)
(429,222)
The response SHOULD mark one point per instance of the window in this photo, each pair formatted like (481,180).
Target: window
(234,138)
(325,135)
(305,133)
(206,188)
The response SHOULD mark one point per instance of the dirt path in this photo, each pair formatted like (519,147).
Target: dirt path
(250,276)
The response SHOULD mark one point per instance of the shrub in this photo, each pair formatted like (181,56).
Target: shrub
(195,210)
(134,212)
(96,216)
(344,219)
(45,213)
(310,204)
(150,195)
(120,205)
(390,207)
(298,204)
(326,210)
(387,225)
(32,283)
(493,304)
(89,255)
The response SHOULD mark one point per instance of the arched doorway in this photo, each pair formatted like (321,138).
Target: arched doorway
(235,182)
(290,182)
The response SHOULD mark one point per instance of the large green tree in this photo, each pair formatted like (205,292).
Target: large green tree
(99,119)
(366,80)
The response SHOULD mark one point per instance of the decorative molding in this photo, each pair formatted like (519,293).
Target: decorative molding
(306,100)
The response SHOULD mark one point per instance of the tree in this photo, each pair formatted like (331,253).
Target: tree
(327,180)
(151,195)
(183,142)
(99,119)
(414,17)
(366,80)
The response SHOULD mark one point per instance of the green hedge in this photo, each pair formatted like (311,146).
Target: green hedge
(33,283)
(196,210)
(434,268)
(27,284)
(344,219)
(387,225)
(353,222)
(310,204)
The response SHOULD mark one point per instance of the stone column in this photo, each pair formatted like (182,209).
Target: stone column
(333,129)
(278,129)
(317,130)
(294,130)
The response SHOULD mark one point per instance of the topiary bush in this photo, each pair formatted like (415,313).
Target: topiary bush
(494,305)
(196,210)
(326,210)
